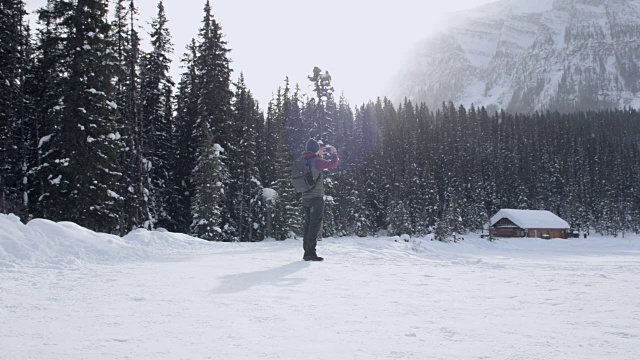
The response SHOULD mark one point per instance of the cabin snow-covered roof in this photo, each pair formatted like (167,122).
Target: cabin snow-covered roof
(531,219)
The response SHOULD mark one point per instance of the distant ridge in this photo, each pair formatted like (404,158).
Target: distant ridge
(526,56)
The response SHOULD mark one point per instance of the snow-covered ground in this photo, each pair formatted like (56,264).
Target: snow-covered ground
(67,293)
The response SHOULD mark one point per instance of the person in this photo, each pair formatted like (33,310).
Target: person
(313,200)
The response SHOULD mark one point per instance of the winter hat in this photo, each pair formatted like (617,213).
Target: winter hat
(312,146)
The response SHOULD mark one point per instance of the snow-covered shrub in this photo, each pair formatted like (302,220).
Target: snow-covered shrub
(416,245)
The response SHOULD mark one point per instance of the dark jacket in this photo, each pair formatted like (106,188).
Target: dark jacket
(318,165)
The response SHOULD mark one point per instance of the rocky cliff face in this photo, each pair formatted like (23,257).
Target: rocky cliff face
(528,55)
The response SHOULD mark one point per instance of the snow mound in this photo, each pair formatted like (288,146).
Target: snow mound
(44,243)
(161,241)
(63,244)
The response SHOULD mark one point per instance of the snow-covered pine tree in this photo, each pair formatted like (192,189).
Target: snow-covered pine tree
(45,87)
(214,77)
(269,143)
(155,97)
(381,162)
(345,133)
(310,118)
(80,158)
(397,142)
(422,201)
(288,216)
(371,178)
(330,221)
(352,210)
(322,125)
(294,126)
(247,199)
(429,214)
(347,193)
(475,214)
(416,204)
(259,208)
(14,122)
(399,217)
(131,159)
(208,178)
(27,126)
(166,192)
(184,161)
(214,100)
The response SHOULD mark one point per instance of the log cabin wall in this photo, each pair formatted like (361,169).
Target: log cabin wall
(553,233)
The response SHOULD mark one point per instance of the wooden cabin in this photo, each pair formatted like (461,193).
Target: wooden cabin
(510,223)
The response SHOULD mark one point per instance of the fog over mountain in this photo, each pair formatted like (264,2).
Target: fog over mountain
(524,56)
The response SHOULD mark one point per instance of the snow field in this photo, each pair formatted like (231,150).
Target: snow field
(372,298)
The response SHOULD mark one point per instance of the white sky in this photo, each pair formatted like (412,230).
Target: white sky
(362,43)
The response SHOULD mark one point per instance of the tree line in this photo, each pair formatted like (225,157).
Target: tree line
(94,130)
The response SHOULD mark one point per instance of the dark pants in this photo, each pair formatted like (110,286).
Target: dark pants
(313,211)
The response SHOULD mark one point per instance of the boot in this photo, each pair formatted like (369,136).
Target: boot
(312,257)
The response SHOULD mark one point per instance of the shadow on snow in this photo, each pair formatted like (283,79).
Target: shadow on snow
(236,283)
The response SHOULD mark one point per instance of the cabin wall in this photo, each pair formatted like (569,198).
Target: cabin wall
(553,233)
(507,232)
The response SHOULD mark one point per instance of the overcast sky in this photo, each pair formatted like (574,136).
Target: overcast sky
(360,42)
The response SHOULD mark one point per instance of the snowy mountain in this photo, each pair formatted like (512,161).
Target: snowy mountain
(523,55)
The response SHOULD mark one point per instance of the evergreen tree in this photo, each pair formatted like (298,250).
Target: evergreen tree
(248,207)
(288,216)
(321,123)
(131,158)
(348,220)
(14,118)
(79,160)
(213,71)
(214,101)
(45,88)
(183,162)
(156,89)
(294,122)
(208,177)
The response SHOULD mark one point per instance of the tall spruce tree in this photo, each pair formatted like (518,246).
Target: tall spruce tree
(321,124)
(183,162)
(213,126)
(288,210)
(131,158)
(80,158)
(214,75)
(346,193)
(45,88)
(294,123)
(157,128)
(14,54)
(208,178)
(247,199)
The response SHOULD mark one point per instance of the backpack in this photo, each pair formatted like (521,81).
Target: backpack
(302,177)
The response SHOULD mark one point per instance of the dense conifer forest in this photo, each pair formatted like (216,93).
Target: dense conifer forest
(94,130)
